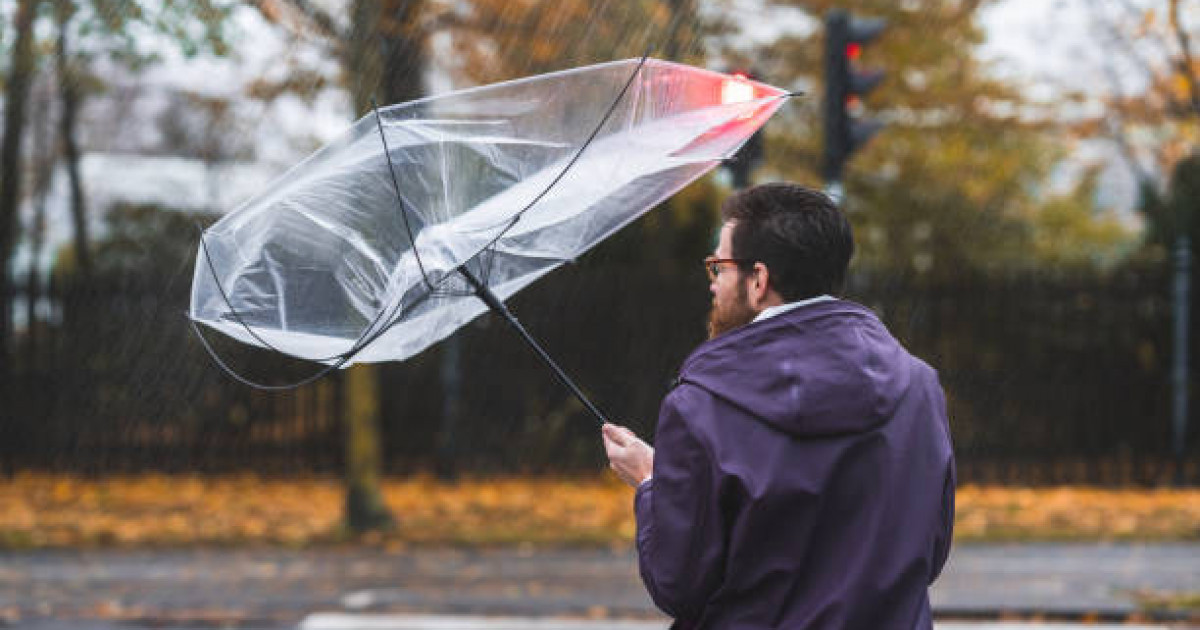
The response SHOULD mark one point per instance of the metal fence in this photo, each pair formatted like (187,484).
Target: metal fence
(1051,378)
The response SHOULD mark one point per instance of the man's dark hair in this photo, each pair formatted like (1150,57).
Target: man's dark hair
(798,233)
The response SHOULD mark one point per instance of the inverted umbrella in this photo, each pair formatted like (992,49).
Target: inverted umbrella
(425,214)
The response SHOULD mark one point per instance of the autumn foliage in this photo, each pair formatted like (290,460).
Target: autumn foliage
(42,510)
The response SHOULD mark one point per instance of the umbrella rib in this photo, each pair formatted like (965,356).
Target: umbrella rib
(365,339)
(545,191)
(490,298)
(567,167)
(212,353)
(481,289)
(399,198)
(493,301)
(575,158)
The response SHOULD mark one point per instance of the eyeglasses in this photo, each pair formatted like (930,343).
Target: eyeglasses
(712,265)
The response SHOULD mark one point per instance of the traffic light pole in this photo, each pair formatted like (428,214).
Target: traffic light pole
(835,191)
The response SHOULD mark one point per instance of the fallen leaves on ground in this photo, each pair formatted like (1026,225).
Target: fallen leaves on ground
(43,510)
(46,510)
(1075,513)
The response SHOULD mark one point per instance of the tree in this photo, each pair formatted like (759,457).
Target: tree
(384,49)
(1181,208)
(1154,49)
(495,40)
(961,165)
(42,163)
(69,84)
(113,32)
(383,52)
(16,97)
(1066,229)
(89,31)
(1149,102)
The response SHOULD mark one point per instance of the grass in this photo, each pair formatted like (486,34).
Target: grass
(61,511)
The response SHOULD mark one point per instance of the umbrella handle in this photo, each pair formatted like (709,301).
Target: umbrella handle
(493,301)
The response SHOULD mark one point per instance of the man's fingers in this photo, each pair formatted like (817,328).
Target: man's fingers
(611,448)
(620,434)
(616,434)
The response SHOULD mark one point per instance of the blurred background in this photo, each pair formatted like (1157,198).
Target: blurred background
(1021,176)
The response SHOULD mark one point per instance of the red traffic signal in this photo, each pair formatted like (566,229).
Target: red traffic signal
(845,85)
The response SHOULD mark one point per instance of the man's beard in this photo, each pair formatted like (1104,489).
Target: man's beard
(724,317)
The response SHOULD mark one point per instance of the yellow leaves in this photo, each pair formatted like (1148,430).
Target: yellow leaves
(1181,86)
(1076,513)
(39,510)
(55,510)
(510,510)
(155,510)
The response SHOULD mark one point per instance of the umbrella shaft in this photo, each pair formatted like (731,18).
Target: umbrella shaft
(494,303)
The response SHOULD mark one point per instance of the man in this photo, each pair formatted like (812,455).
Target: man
(803,476)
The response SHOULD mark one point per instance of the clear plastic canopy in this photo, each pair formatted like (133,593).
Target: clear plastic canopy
(346,254)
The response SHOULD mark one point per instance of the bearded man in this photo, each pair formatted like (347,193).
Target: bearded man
(803,474)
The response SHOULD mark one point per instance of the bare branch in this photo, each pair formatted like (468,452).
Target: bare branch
(1115,127)
(1118,39)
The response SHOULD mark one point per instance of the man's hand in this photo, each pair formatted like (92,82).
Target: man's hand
(628,456)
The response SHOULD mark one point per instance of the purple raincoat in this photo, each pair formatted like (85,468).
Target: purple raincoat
(803,478)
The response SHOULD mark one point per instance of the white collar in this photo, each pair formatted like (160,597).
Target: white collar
(780,309)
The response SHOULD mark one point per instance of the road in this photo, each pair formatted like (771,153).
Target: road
(274,588)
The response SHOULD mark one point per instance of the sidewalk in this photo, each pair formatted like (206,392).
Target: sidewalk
(274,588)
(418,622)
(325,621)
(1097,581)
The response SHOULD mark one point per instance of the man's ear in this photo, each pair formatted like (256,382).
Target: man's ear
(760,284)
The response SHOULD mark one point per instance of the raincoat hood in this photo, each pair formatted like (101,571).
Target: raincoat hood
(819,370)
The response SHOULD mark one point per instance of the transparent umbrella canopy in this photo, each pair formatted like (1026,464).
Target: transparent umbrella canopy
(380,244)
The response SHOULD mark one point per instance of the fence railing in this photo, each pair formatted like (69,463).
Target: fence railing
(1051,378)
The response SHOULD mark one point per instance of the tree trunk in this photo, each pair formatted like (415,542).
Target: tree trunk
(681,31)
(402,46)
(365,509)
(68,88)
(360,56)
(17,93)
(43,165)
(385,54)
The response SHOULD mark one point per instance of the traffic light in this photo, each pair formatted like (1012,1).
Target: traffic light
(845,36)
(735,90)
